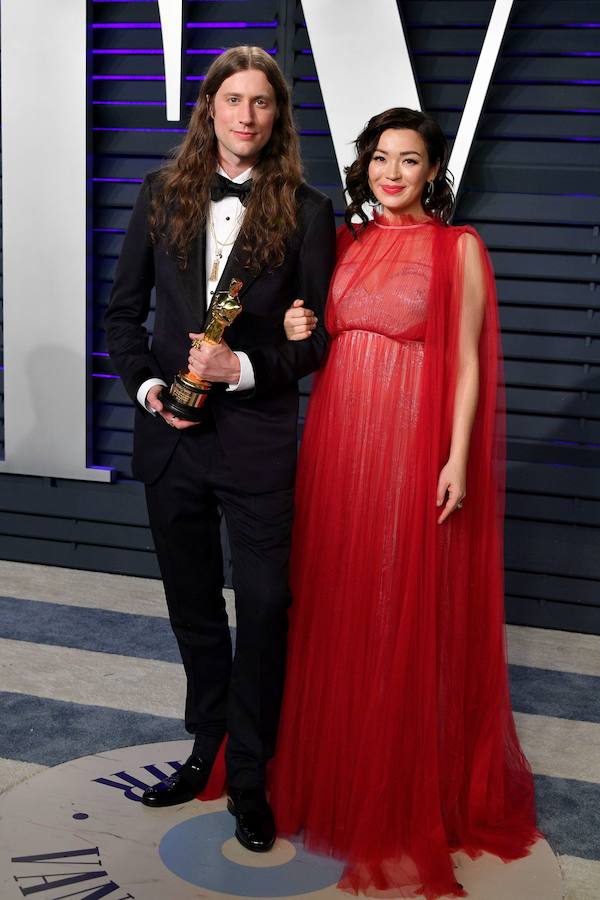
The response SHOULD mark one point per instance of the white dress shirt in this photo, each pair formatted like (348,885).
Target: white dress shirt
(227,216)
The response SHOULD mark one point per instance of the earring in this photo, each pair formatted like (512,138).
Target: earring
(430,190)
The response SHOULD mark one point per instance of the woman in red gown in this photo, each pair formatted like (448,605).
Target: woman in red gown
(397,744)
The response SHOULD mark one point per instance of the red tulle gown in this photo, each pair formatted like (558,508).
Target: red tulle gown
(397,743)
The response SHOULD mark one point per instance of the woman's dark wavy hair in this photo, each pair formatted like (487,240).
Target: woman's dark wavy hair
(439,204)
(179,207)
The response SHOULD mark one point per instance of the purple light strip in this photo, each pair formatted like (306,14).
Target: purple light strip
(124,26)
(135,103)
(97,375)
(213,51)
(154,1)
(526,81)
(558,54)
(128,77)
(454,26)
(120,180)
(272,24)
(537,82)
(560,25)
(129,103)
(454,81)
(451,27)
(504,55)
(446,52)
(523,25)
(145,130)
(124,52)
(143,77)
(545,194)
(527,110)
(108,230)
(104,355)
(557,139)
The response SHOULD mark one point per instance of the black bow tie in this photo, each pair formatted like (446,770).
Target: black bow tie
(223,187)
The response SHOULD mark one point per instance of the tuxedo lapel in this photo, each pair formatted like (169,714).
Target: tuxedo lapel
(235,269)
(192,279)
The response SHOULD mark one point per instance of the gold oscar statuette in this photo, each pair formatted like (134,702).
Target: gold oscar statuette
(187,395)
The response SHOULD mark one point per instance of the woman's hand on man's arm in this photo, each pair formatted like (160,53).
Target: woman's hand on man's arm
(299,323)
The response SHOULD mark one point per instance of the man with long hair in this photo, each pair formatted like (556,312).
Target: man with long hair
(232,203)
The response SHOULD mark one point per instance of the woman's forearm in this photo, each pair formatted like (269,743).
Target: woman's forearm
(465,406)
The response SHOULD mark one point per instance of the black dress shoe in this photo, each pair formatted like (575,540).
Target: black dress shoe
(184,785)
(255,825)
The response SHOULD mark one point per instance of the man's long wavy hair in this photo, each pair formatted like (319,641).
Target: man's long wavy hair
(180,205)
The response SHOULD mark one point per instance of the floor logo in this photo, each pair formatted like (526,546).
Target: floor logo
(79,831)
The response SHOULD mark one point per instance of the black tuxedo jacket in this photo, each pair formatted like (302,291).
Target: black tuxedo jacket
(256,429)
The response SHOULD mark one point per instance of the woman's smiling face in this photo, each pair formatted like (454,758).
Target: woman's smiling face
(399,170)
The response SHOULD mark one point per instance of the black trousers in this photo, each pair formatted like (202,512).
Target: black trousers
(240,696)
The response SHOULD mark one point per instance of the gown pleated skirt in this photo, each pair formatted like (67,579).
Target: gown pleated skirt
(396,744)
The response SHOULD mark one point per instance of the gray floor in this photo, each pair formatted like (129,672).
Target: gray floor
(88,663)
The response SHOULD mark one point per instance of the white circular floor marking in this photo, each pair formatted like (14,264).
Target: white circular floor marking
(78,830)
(282,853)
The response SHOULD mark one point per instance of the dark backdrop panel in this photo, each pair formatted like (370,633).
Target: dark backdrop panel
(531,189)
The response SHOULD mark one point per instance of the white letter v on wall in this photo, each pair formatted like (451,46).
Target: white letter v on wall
(364,67)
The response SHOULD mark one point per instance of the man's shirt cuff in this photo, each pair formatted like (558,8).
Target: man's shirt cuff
(143,393)
(247,380)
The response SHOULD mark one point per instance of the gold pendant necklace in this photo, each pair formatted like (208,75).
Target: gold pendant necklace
(214,272)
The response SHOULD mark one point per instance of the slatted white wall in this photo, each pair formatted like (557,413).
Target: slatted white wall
(531,189)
